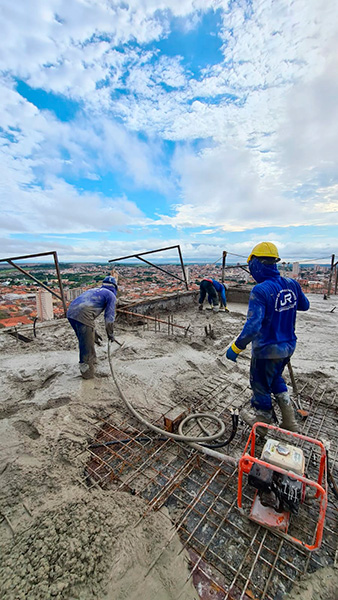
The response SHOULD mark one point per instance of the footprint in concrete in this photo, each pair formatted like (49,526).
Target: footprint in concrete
(57,402)
(197,346)
(27,428)
(48,380)
(8,411)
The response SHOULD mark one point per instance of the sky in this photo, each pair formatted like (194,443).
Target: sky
(136,125)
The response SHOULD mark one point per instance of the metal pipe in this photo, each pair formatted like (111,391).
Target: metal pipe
(34,279)
(57,268)
(330,277)
(25,256)
(223,264)
(142,253)
(182,265)
(160,268)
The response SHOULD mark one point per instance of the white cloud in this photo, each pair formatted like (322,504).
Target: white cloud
(267,113)
(59,207)
(105,249)
(34,195)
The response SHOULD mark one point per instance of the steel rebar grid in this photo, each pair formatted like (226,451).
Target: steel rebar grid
(277,568)
(216,558)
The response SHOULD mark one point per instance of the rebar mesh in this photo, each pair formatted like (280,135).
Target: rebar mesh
(232,556)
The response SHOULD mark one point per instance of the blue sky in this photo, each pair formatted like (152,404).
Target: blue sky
(128,126)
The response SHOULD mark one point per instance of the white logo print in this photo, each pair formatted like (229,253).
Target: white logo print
(285,300)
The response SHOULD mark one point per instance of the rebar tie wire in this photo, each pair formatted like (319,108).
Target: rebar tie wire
(193,441)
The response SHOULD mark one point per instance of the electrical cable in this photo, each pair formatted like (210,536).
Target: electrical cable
(193,441)
(235,418)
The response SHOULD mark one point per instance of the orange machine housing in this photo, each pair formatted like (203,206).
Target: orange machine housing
(270,518)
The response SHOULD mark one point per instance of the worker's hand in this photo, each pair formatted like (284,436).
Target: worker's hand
(110,331)
(231,355)
(98,338)
(233,352)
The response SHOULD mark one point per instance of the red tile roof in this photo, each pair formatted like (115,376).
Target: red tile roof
(23,320)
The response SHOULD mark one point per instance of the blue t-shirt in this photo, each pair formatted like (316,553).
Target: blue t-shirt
(271,317)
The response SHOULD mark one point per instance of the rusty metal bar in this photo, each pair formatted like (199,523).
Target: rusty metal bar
(238,573)
(127,312)
(34,279)
(56,264)
(223,263)
(142,253)
(330,276)
(57,268)
(139,254)
(160,268)
(183,269)
(25,256)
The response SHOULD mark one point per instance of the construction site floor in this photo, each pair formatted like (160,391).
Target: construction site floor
(94,506)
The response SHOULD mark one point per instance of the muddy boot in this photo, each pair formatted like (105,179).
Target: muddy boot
(87,371)
(200,307)
(288,414)
(252,416)
(216,308)
(209,307)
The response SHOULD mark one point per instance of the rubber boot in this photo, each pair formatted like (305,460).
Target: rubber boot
(216,308)
(252,416)
(87,371)
(288,414)
(209,307)
(200,307)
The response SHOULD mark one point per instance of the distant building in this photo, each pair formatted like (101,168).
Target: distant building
(295,269)
(44,305)
(73,293)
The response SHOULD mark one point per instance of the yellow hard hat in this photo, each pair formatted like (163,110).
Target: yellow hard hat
(267,249)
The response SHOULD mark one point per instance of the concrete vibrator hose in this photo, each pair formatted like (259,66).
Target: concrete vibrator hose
(193,441)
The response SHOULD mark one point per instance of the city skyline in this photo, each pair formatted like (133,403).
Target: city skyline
(128,126)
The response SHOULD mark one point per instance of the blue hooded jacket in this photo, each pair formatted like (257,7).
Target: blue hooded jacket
(93,302)
(271,318)
(219,287)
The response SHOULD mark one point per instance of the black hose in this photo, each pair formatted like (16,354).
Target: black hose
(234,418)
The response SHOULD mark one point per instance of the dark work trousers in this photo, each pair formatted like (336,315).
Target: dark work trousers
(85,336)
(206,287)
(266,379)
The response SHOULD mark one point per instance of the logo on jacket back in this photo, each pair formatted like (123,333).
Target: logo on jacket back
(285,300)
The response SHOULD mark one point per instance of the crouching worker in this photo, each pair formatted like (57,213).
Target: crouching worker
(216,295)
(82,313)
(270,326)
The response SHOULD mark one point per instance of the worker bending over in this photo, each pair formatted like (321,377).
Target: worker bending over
(216,295)
(82,313)
(270,326)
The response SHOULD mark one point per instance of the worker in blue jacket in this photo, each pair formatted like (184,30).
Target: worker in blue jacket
(270,326)
(82,313)
(216,295)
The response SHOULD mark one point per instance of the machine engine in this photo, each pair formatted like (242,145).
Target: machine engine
(280,492)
